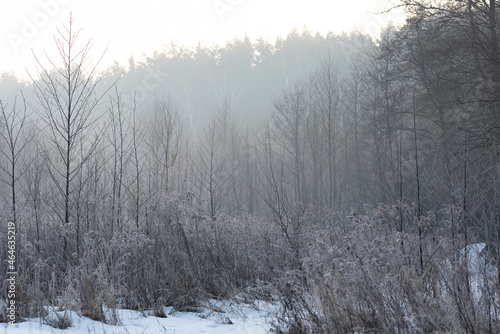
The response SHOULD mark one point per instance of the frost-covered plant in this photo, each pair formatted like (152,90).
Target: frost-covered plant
(368,278)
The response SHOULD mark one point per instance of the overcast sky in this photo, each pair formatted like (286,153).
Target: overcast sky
(134,28)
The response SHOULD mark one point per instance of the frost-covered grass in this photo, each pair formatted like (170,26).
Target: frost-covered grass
(216,318)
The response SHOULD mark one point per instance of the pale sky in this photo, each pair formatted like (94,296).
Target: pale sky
(135,28)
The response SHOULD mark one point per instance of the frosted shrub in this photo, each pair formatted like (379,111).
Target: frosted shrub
(368,278)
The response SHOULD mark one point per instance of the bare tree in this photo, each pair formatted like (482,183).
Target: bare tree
(35,180)
(328,98)
(67,103)
(120,148)
(163,141)
(289,124)
(352,92)
(208,172)
(230,146)
(16,141)
(137,156)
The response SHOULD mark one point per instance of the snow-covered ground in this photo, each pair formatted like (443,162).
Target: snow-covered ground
(214,319)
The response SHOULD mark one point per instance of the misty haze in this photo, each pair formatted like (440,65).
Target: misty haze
(235,166)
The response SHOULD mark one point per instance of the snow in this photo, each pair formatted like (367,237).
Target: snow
(475,260)
(212,320)
(482,273)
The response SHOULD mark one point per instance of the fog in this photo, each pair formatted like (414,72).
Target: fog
(350,180)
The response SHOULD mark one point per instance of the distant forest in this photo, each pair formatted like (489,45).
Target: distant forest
(345,178)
